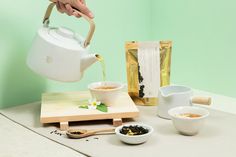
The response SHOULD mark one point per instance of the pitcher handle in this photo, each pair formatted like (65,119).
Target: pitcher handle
(201,100)
(91,22)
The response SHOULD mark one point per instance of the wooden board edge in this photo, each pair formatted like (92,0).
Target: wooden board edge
(78,118)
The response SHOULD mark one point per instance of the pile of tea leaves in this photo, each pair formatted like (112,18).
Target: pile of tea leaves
(133,130)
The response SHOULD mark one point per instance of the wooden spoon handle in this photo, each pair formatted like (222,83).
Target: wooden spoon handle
(103,130)
(201,100)
(93,132)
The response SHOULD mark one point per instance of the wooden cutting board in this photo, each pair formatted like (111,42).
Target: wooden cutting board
(64,108)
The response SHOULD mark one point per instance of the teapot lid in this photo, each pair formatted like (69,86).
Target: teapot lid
(62,37)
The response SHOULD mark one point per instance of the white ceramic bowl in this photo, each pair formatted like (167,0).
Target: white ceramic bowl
(186,125)
(107,96)
(136,139)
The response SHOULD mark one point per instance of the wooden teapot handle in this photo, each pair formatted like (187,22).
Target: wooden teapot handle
(91,22)
(201,100)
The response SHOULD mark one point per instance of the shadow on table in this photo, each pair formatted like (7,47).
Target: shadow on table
(207,131)
(114,140)
(166,129)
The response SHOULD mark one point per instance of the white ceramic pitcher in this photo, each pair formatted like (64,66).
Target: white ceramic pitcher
(174,96)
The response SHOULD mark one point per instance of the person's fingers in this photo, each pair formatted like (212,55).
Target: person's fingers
(82,7)
(58,7)
(78,4)
(69,9)
(70,1)
(65,1)
(83,1)
(76,14)
(62,6)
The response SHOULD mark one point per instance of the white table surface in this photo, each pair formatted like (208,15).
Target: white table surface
(218,138)
(219,102)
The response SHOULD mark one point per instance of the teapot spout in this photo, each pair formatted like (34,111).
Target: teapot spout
(88,60)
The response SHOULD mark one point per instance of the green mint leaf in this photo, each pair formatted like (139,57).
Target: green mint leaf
(102,107)
(84,106)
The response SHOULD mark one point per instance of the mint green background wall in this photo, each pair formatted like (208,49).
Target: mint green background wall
(117,21)
(204,38)
(203,33)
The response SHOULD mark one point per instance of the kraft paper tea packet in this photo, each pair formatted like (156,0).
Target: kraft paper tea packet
(148,68)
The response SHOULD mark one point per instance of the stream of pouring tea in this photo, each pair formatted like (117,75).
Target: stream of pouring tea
(103,66)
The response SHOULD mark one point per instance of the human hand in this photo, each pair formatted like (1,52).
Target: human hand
(66,6)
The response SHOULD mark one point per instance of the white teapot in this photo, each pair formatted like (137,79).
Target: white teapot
(59,53)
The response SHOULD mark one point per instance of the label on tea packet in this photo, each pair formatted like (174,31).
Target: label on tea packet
(149,69)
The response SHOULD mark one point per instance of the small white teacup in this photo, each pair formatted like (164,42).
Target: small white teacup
(188,120)
(106,92)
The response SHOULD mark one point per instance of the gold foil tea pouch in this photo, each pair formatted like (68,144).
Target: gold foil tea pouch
(148,68)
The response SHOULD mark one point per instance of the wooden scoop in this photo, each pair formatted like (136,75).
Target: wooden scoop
(81,133)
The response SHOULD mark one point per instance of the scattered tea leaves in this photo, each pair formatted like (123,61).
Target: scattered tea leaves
(56,133)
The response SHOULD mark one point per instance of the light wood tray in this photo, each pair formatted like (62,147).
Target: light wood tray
(63,108)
